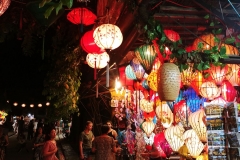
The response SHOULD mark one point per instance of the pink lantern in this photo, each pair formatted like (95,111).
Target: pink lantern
(88,45)
(162,145)
(228,91)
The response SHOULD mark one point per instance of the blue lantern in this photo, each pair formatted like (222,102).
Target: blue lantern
(137,68)
(129,73)
(145,84)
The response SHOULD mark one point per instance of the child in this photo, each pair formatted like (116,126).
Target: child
(22,141)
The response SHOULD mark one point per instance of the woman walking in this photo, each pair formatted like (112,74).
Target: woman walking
(104,145)
(50,147)
(38,143)
(85,141)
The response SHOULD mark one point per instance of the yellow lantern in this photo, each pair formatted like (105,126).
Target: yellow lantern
(207,40)
(146,106)
(218,73)
(108,36)
(148,127)
(174,136)
(117,95)
(232,75)
(187,76)
(98,61)
(194,146)
(231,50)
(198,122)
(209,90)
(165,114)
(203,156)
(152,80)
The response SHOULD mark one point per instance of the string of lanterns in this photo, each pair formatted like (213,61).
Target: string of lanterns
(31,105)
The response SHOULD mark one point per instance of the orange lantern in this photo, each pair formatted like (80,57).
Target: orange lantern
(218,73)
(187,76)
(197,82)
(231,50)
(209,90)
(233,74)
(207,40)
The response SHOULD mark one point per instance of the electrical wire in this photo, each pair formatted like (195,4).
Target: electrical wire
(233,8)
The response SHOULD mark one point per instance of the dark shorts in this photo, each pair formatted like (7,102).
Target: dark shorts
(87,152)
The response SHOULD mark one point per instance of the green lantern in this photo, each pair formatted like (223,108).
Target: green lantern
(146,55)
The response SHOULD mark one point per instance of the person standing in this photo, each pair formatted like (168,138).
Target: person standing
(3,143)
(104,145)
(30,130)
(38,143)
(35,123)
(50,146)
(85,141)
(20,125)
(111,132)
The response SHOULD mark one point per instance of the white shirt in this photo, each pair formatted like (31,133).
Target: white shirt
(35,125)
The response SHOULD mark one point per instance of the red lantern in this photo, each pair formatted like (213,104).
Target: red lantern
(81,16)
(197,82)
(125,81)
(228,92)
(150,115)
(189,48)
(88,45)
(171,35)
(148,147)
(162,145)
(218,73)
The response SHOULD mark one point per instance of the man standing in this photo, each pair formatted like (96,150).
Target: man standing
(20,125)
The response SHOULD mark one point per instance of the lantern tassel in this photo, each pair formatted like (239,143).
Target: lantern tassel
(95,70)
(96,89)
(107,75)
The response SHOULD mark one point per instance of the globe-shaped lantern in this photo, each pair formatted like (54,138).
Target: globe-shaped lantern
(146,106)
(165,114)
(4,4)
(137,68)
(108,36)
(88,45)
(152,80)
(209,90)
(98,61)
(146,55)
(194,146)
(233,75)
(174,136)
(197,82)
(228,91)
(198,122)
(218,73)
(148,127)
(130,73)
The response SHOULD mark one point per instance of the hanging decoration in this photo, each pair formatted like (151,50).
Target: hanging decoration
(183,151)
(156,64)
(146,106)
(88,45)
(194,146)
(231,50)
(209,90)
(148,127)
(130,73)
(207,41)
(218,73)
(162,145)
(165,114)
(146,55)
(198,122)
(188,75)
(137,68)
(174,136)
(125,81)
(228,92)
(149,139)
(197,82)
(97,60)
(233,74)
(171,35)
(181,113)
(4,4)
(81,16)
(169,79)
(152,80)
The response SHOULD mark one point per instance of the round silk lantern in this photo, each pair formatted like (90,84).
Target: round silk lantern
(98,60)
(152,80)
(137,68)
(174,136)
(197,121)
(81,16)
(171,35)
(190,134)
(209,90)
(197,82)
(187,75)
(88,45)
(162,145)
(231,50)
(181,112)
(218,100)
(233,75)
(169,79)
(146,106)
(108,36)
(125,81)
(194,146)
(207,40)
(218,73)
(129,72)
(148,126)
(165,114)
(146,55)
(4,4)
(228,92)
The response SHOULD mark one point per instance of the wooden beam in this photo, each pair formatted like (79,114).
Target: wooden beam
(182,10)
(215,12)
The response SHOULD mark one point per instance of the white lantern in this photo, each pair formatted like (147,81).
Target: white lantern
(146,106)
(218,100)
(148,127)
(194,146)
(198,122)
(190,134)
(174,136)
(108,36)
(97,61)
(209,90)
(164,113)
